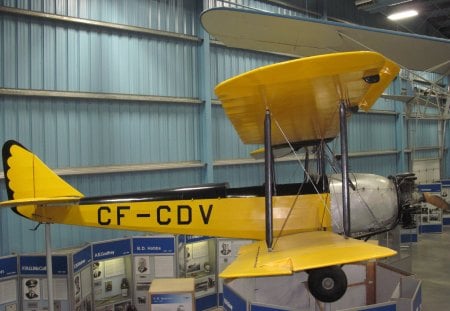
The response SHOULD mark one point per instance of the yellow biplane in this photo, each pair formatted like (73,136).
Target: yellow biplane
(290,105)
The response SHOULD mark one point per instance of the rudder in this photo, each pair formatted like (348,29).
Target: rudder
(26,176)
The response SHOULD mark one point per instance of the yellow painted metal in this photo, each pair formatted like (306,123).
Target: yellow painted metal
(303,95)
(303,251)
(28,177)
(223,217)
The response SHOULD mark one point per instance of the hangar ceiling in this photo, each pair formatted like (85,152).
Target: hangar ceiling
(433,18)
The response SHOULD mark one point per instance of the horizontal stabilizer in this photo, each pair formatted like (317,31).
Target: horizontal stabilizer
(41,201)
(302,251)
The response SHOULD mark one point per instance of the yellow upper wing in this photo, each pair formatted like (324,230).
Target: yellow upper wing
(302,251)
(303,95)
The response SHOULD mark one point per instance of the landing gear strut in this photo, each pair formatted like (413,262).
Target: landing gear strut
(327,284)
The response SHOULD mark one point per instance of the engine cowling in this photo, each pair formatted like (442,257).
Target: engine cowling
(373,203)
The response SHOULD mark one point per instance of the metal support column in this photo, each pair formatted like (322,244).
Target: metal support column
(344,162)
(268,169)
(48,251)
(205,96)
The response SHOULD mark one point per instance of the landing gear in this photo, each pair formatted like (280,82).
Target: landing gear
(327,284)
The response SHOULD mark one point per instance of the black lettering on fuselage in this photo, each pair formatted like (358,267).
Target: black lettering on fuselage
(206,216)
(159,217)
(101,210)
(119,213)
(184,214)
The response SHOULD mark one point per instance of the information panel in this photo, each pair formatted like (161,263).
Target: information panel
(8,284)
(153,257)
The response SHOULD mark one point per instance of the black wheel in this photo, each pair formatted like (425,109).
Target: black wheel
(327,284)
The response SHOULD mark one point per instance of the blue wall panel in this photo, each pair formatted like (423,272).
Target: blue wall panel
(72,133)
(368,132)
(65,58)
(383,165)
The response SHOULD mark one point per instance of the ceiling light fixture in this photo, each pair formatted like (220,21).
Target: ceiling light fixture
(402,15)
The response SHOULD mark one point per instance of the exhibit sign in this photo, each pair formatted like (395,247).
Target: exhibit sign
(154,245)
(82,258)
(37,265)
(111,249)
(165,302)
(8,283)
(432,188)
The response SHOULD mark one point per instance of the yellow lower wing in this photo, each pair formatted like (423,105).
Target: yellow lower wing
(302,251)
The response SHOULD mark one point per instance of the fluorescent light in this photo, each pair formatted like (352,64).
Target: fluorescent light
(402,15)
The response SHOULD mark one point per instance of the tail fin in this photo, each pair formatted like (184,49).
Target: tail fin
(28,178)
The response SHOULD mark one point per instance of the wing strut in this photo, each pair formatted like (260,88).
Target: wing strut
(268,170)
(344,162)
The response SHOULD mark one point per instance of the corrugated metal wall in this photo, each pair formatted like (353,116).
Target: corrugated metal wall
(106,126)
(68,132)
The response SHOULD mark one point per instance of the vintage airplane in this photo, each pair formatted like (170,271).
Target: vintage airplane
(295,104)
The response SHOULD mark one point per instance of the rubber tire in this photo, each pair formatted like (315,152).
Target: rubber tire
(321,293)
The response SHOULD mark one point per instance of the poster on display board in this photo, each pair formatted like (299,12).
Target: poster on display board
(33,284)
(197,259)
(446,196)
(431,214)
(82,284)
(227,251)
(153,257)
(111,274)
(8,284)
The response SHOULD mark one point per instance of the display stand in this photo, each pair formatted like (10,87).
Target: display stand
(82,279)
(431,216)
(172,294)
(393,240)
(289,293)
(227,251)
(111,274)
(197,259)
(446,219)
(9,284)
(153,257)
(445,193)
(33,282)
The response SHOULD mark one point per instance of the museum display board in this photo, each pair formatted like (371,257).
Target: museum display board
(81,279)
(111,275)
(33,282)
(153,258)
(114,275)
(227,251)
(446,196)
(197,259)
(431,216)
(9,298)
